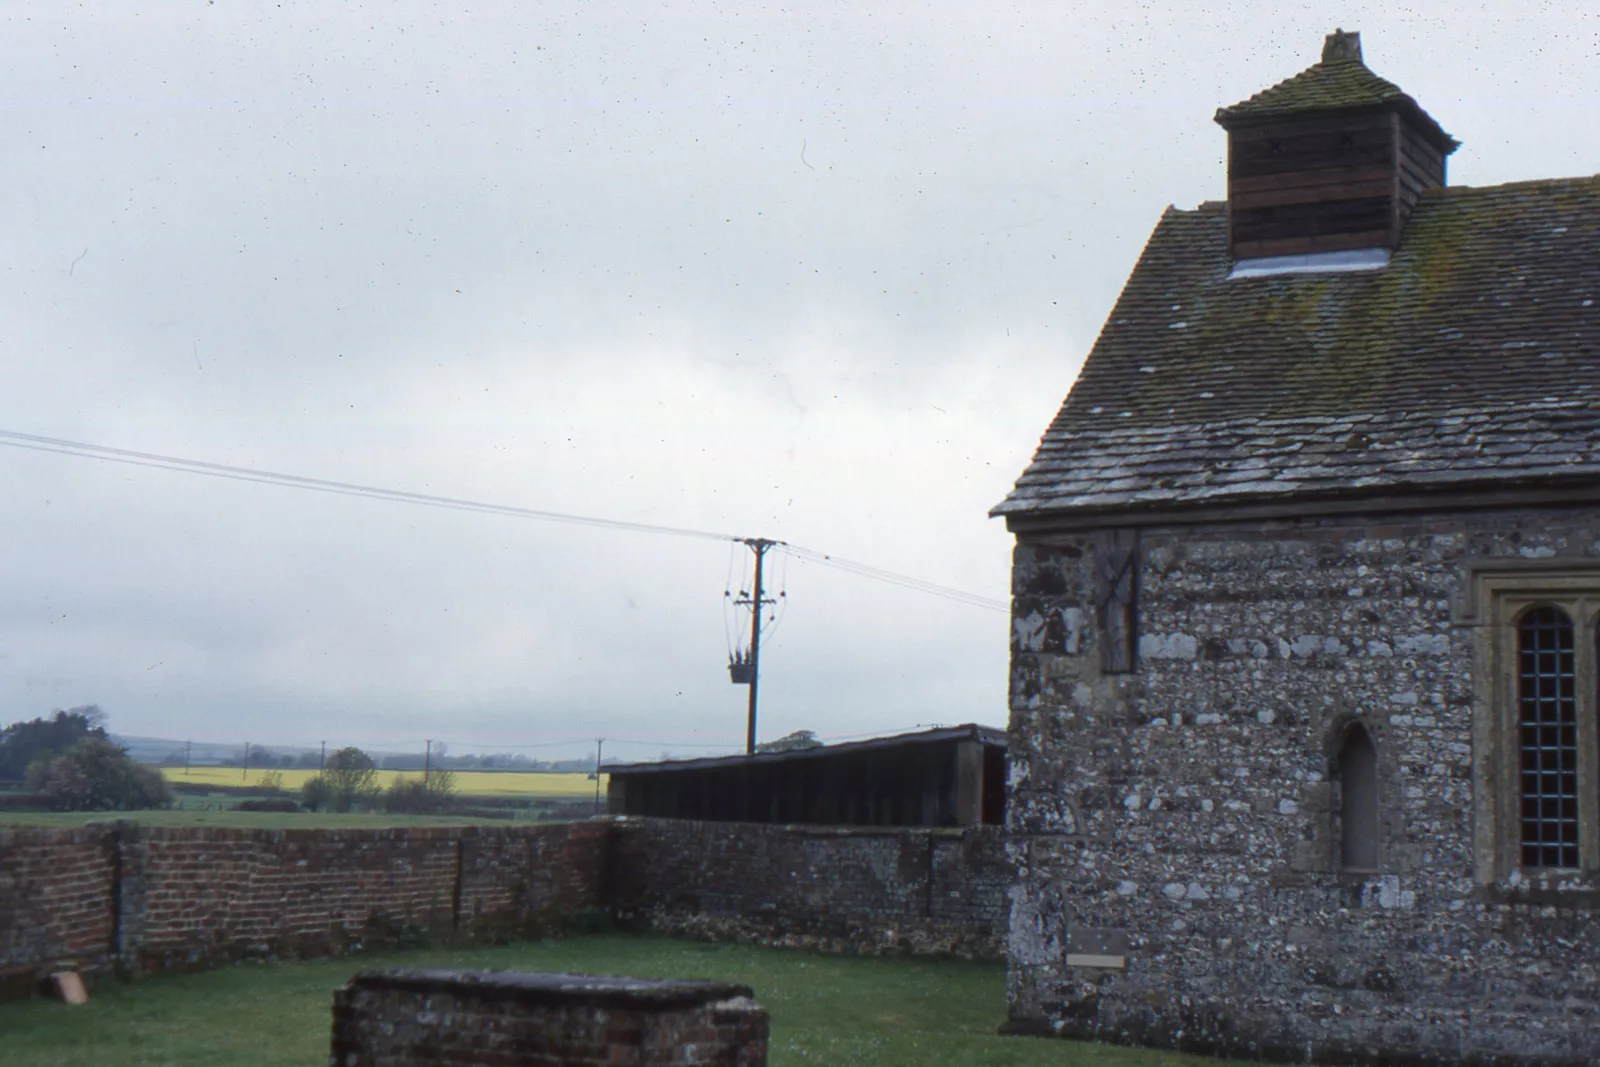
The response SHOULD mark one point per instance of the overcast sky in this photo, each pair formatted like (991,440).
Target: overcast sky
(817,272)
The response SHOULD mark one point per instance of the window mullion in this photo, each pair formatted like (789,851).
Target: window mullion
(1588,683)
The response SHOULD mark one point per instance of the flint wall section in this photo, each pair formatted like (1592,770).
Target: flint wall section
(1176,827)
(840,889)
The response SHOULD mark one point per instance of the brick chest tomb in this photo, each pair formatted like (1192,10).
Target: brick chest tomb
(507,1019)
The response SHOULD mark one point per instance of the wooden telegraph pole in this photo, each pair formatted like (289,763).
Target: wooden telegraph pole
(760,546)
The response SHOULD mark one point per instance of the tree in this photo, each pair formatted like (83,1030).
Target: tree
(349,781)
(418,797)
(23,742)
(96,775)
(800,739)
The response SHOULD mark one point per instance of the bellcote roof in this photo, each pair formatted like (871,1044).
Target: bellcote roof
(1340,83)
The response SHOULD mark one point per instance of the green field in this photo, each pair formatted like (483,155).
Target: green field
(833,1010)
(468,783)
(261,820)
(520,795)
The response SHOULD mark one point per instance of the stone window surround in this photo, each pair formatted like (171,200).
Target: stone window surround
(1493,597)
(1353,734)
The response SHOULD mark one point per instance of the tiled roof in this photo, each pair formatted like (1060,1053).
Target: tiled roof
(987,735)
(1332,85)
(1339,83)
(1472,359)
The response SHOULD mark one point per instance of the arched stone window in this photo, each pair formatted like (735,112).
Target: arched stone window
(1536,719)
(1547,709)
(1358,801)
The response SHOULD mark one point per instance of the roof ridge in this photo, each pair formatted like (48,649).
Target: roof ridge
(1324,85)
(1521,183)
(1339,82)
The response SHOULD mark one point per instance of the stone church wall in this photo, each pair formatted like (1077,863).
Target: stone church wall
(1175,826)
(835,888)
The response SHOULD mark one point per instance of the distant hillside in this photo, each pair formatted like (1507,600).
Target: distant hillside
(210,754)
(201,753)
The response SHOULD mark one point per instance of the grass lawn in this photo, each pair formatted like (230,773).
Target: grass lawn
(825,1009)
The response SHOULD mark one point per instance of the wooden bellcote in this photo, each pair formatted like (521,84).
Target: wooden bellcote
(1331,160)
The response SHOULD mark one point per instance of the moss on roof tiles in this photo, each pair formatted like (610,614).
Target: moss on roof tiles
(1470,260)
(1490,304)
(1337,84)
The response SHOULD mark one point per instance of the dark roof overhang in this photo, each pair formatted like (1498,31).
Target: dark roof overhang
(985,735)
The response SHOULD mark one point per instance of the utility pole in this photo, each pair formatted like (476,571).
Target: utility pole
(186,757)
(427,761)
(245,774)
(760,546)
(322,763)
(599,750)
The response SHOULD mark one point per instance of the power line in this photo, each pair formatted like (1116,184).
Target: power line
(323,485)
(878,574)
(108,454)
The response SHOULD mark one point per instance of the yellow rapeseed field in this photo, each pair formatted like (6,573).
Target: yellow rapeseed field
(468,783)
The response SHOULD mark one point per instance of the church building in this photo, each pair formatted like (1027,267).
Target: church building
(1305,674)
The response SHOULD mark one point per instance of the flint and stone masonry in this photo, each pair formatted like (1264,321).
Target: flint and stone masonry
(1176,829)
(412,1018)
(1305,688)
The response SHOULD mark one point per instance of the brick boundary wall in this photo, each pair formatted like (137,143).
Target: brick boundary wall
(866,890)
(141,899)
(56,902)
(406,1018)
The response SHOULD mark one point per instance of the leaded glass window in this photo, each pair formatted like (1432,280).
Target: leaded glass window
(1548,728)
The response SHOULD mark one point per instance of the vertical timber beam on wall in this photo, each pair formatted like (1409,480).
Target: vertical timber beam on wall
(969,783)
(822,791)
(1396,211)
(994,785)
(939,785)
(921,790)
(1229,172)
(1116,574)
(896,799)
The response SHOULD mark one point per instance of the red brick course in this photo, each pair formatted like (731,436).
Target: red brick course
(56,891)
(189,898)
